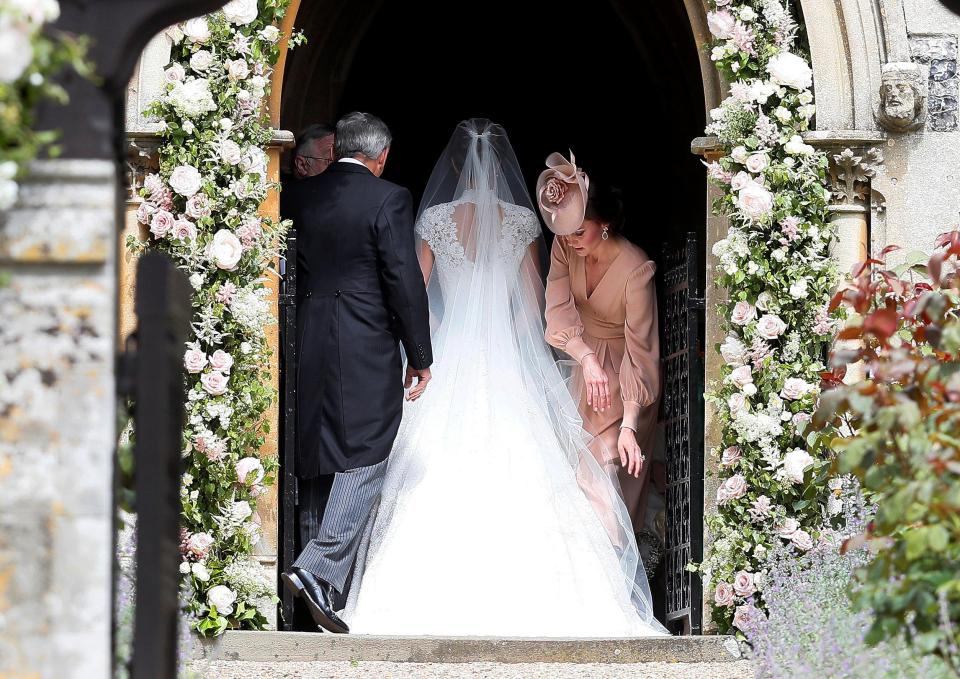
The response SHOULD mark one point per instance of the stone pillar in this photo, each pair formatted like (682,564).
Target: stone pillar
(57,422)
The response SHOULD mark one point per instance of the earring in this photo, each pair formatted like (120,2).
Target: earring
(606,233)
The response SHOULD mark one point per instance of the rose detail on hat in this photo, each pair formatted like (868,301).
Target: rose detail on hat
(562,194)
(555,191)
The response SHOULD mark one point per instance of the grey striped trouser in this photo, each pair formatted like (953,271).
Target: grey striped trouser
(331,553)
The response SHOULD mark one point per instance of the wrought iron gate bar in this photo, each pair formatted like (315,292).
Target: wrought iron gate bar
(681,416)
(288,425)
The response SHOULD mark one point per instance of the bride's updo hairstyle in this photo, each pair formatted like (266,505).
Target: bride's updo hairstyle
(605,204)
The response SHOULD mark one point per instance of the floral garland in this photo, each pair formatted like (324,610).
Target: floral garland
(775,267)
(202,209)
(29,56)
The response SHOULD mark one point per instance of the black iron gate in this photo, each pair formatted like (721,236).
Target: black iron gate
(288,426)
(681,415)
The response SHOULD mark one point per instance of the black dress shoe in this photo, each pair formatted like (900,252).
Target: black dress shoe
(318,596)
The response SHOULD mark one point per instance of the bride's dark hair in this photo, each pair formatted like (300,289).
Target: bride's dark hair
(605,204)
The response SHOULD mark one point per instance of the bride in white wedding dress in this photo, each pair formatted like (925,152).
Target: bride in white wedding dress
(484,527)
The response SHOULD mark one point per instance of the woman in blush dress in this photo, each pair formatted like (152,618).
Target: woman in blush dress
(602,312)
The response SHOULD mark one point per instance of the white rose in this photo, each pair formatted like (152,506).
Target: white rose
(790,70)
(740,154)
(770,326)
(249,471)
(802,541)
(737,403)
(761,91)
(185,180)
(741,376)
(270,33)
(808,111)
(806,97)
(795,463)
(797,147)
(780,254)
(743,584)
(240,511)
(740,180)
(214,383)
(752,268)
(788,528)
(799,288)
(237,69)
(16,51)
(245,348)
(197,280)
(221,361)
(733,351)
(226,250)
(241,12)
(201,61)
(191,97)
(758,162)
(747,13)
(226,124)
(749,389)
(197,30)
(794,388)
(721,23)
(763,300)
(184,567)
(222,597)
(194,361)
(175,73)
(733,488)
(230,152)
(755,201)
(200,572)
(782,114)
(743,313)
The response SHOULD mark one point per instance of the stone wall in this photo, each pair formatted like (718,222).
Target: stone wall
(57,424)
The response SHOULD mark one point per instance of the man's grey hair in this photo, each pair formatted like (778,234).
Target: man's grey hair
(361,134)
(310,134)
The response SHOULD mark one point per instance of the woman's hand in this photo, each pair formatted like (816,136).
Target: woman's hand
(631,457)
(596,383)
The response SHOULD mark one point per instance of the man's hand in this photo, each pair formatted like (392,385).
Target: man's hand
(422,377)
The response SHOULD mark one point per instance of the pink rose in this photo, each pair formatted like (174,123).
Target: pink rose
(757,162)
(743,584)
(221,361)
(723,595)
(184,230)
(746,617)
(742,376)
(161,223)
(743,313)
(737,403)
(194,361)
(226,292)
(788,528)
(801,540)
(198,206)
(555,190)
(237,69)
(801,418)
(257,490)
(794,388)
(731,456)
(740,181)
(200,543)
(760,508)
(145,212)
(755,201)
(733,488)
(174,74)
(721,23)
(770,326)
(214,383)
(249,471)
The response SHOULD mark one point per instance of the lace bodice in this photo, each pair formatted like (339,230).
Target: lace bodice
(437,226)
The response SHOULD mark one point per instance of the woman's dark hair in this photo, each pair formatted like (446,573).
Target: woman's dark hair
(605,204)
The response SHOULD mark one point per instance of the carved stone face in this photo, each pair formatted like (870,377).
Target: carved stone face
(902,97)
(898,99)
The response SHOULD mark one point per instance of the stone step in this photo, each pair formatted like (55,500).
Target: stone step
(309,647)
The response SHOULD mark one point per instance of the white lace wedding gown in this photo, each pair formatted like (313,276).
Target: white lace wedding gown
(482,527)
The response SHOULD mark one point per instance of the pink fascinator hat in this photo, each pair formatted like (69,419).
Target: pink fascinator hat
(562,194)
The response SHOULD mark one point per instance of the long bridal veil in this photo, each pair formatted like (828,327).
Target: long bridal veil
(486,292)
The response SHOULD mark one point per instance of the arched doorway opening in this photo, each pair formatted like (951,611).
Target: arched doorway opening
(619,84)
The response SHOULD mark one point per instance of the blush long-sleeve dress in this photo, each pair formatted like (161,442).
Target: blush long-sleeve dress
(618,322)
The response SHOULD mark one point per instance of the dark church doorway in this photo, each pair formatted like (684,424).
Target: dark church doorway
(617,82)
